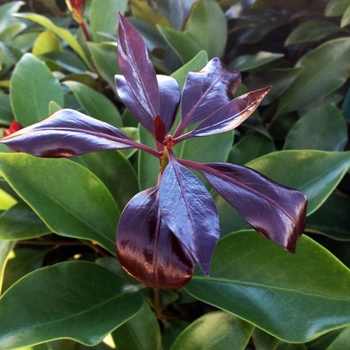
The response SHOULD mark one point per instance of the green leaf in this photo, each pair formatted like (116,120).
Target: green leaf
(64,301)
(6,12)
(346,18)
(46,41)
(295,5)
(273,289)
(332,218)
(323,128)
(264,341)
(20,222)
(248,62)
(183,44)
(325,70)
(342,341)
(315,173)
(95,104)
(251,146)
(336,7)
(64,34)
(139,333)
(215,330)
(103,18)
(105,59)
(116,172)
(6,200)
(314,30)
(31,90)
(5,249)
(207,25)
(21,262)
(69,199)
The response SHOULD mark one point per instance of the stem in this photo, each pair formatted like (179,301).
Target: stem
(158,307)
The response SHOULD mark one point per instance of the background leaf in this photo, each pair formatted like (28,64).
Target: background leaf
(31,90)
(215,330)
(84,209)
(285,290)
(5,249)
(88,295)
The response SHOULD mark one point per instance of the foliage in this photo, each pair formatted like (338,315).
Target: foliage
(63,286)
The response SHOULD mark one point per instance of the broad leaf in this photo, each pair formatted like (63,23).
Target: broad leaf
(215,330)
(5,249)
(323,128)
(283,290)
(336,7)
(88,295)
(84,209)
(325,70)
(274,211)
(147,249)
(68,133)
(249,62)
(190,212)
(31,90)
(206,91)
(141,332)
(230,115)
(20,222)
(6,12)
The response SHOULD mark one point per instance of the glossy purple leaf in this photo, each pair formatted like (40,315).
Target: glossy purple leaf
(189,211)
(229,116)
(207,91)
(275,211)
(147,249)
(68,133)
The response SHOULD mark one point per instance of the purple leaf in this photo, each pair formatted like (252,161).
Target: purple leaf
(206,91)
(68,133)
(139,74)
(147,249)
(190,212)
(275,211)
(229,116)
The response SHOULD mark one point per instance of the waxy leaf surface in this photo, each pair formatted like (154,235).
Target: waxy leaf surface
(206,91)
(147,248)
(277,212)
(190,212)
(68,133)
(63,301)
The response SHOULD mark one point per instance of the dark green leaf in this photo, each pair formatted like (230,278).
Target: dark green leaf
(336,7)
(323,128)
(31,90)
(248,62)
(325,70)
(139,333)
(5,249)
(275,290)
(263,340)
(20,222)
(89,297)
(69,199)
(215,330)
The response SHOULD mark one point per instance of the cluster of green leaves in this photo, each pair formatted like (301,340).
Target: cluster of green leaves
(62,286)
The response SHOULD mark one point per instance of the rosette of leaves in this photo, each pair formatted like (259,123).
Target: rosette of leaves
(165,229)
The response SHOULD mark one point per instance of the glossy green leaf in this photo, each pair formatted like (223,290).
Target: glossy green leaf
(6,12)
(251,146)
(325,70)
(278,292)
(89,298)
(332,218)
(115,171)
(183,44)
(263,340)
(289,346)
(95,104)
(45,42)
(215,330)
(20,222)
(139,333)
(342,341)
(336,7)
(345,20)
(248,62)
(206,24)
(144,12)
(315,173)
(323,128)
(11,31)
(64,34)
(69,199)
(105,59)
(313,30)
(6,200)
(31,90)
(103,18)
(21,262)
(66,60)
(5,249)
